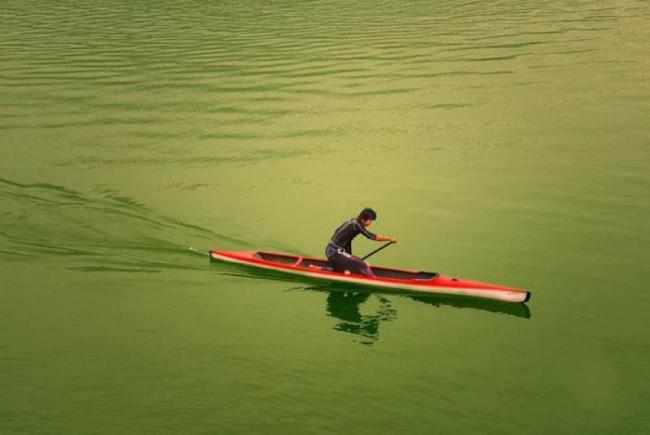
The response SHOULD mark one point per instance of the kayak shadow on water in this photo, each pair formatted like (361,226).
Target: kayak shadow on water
(347,302)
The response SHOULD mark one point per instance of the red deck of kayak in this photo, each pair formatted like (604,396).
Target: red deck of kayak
(402,279)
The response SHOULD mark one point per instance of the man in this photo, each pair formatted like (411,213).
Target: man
(339,249)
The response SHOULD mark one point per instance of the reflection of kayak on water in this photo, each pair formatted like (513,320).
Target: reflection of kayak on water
(387,278)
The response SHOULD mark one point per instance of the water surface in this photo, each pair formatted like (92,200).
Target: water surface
(500,141)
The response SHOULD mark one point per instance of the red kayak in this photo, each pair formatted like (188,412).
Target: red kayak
(396,279)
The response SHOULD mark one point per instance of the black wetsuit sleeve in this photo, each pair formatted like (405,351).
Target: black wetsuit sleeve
(365,232)
(348,247)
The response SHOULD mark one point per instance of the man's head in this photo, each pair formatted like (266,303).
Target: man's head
(367,217)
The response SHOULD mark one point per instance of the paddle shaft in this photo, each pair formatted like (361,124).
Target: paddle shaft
(377,250)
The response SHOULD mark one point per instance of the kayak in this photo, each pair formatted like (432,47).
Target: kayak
(386,278)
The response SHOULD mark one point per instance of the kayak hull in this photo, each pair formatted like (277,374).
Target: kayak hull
(391,279)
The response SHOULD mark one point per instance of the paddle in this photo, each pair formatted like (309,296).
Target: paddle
(378,249)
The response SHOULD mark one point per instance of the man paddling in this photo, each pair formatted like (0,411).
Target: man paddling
(339,249)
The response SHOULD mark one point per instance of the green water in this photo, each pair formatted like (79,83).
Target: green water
(504,141)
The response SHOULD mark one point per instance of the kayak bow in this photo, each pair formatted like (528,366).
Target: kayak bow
(396,279)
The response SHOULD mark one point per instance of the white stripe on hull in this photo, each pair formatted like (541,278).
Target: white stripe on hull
(502,295)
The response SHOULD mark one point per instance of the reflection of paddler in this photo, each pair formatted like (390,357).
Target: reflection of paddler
(346,307)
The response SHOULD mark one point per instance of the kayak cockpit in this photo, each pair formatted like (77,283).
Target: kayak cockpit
(382,272)
(272,257)
(293,260)
(315,263)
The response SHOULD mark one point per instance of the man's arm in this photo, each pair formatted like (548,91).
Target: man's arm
(385,239)
(373,236)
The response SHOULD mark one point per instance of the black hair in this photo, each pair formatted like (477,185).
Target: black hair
(367,213)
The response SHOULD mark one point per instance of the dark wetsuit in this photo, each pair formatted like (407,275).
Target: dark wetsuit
(339,249)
